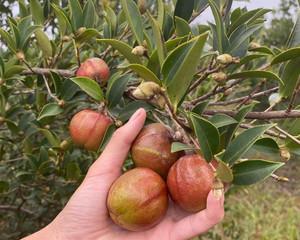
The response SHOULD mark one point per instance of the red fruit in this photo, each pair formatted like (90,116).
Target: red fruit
(138,199)
(189,181)
(87,129)
(94,68)
(152,149)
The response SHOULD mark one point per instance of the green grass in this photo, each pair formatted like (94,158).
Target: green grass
(267,211)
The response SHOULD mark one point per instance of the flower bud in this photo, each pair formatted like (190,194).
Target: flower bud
(219,77)
(142,5)
(61,103)
(254,45)
(66,38)
(159,101)
(1,81)
(285,154)
(64,145)
(139,51)
(20,56)
(225,59)
(80,30)
(118,123)
(146,90)
(228,92)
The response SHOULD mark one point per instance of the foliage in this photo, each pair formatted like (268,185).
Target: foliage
(39,93)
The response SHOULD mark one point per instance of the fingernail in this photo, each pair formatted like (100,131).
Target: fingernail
(136,114)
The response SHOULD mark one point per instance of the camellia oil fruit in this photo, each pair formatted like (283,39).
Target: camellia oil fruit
(138,200)
(152,149)
(94,68)
(189,182)
(87,129)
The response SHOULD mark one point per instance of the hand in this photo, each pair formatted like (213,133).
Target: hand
(85,216)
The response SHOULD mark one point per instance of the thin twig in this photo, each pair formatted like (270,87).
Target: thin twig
(15,208)
(287,134)
(293,99)
(49,90)
(47,71)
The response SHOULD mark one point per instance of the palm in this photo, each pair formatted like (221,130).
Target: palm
(86,216)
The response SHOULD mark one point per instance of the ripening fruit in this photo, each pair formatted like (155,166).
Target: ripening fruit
(138,199)
(152,149)
(87,129)
(94,68)
(189,181)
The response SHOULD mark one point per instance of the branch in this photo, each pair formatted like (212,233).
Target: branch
(47,71)
(237,100)
(15,208)
(259,115)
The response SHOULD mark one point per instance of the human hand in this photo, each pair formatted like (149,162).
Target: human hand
(85,216)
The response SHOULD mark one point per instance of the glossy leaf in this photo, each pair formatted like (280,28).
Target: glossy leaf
(253,171)
(89,14)
(76,13)
(262,50)
(222,120)
(180,66)
(36,11)
(294,38)
(290,77)
(160,13)
(50,110)
(89,86)
(184,9)
(123,48)
(286,55)
(63,20)
(178,146)
(242,143)
(87,35)
(130,109)
(144,73)
(116,87)
(224,172)
(134,19)
(200,108)
(207,135)
(182,27)
(43,42)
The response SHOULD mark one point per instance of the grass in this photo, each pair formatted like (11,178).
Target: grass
(267,211)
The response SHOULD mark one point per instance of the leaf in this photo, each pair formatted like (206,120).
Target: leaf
(36,12)
(184,9)
(262,50)
(51,137)
(111,19)
(159,41)
(13,70)
(242,143)
(144,73)
(224,172)
(73,171)
(134,19)
(180,66)
(178,147)
(108,134)
(252,171)
(290,77)
(207,134)
(43,42)
(89,14)
(264,148)
(50,110)
(63,21)
(286,56)
(222,120)
(251,57)
(4,186)
(76,13)
(160,13)
(255,74)
(89,86)
(130,109)
(123,48)
(87,35)
(182,27)
(200,108)
(11,44)
(294,38)
(116,87)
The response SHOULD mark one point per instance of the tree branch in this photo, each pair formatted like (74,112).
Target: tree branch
(47,71)
(259,115)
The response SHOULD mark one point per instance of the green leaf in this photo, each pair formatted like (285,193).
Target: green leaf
(182,27)
(50,110)
(10,42)
(4,186)
(178,147)
(222,120)
(253,171)
(144,73)
(108,134)
(37,12)
(264,148)
(134,19)
(123,48)
(207,134)
(43,42)
(251,57)
(89,14)
(63,20)
(87,35)
(89,86)
(111,19)
(130,109)
(200,108)
(13,70)
(116,87)
(159,41)
(160,13)
(290,77)
(224,172)
(180,66)
(294,38)
(242,143)
(51,137)
(184,9)
(73,171)
(265,50)
(286,56)
(256,74)
(76,13)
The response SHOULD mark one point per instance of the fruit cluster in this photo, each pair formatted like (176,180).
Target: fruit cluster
(138,199)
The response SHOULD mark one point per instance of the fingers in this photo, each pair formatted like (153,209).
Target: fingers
(112,158)
(201,222)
